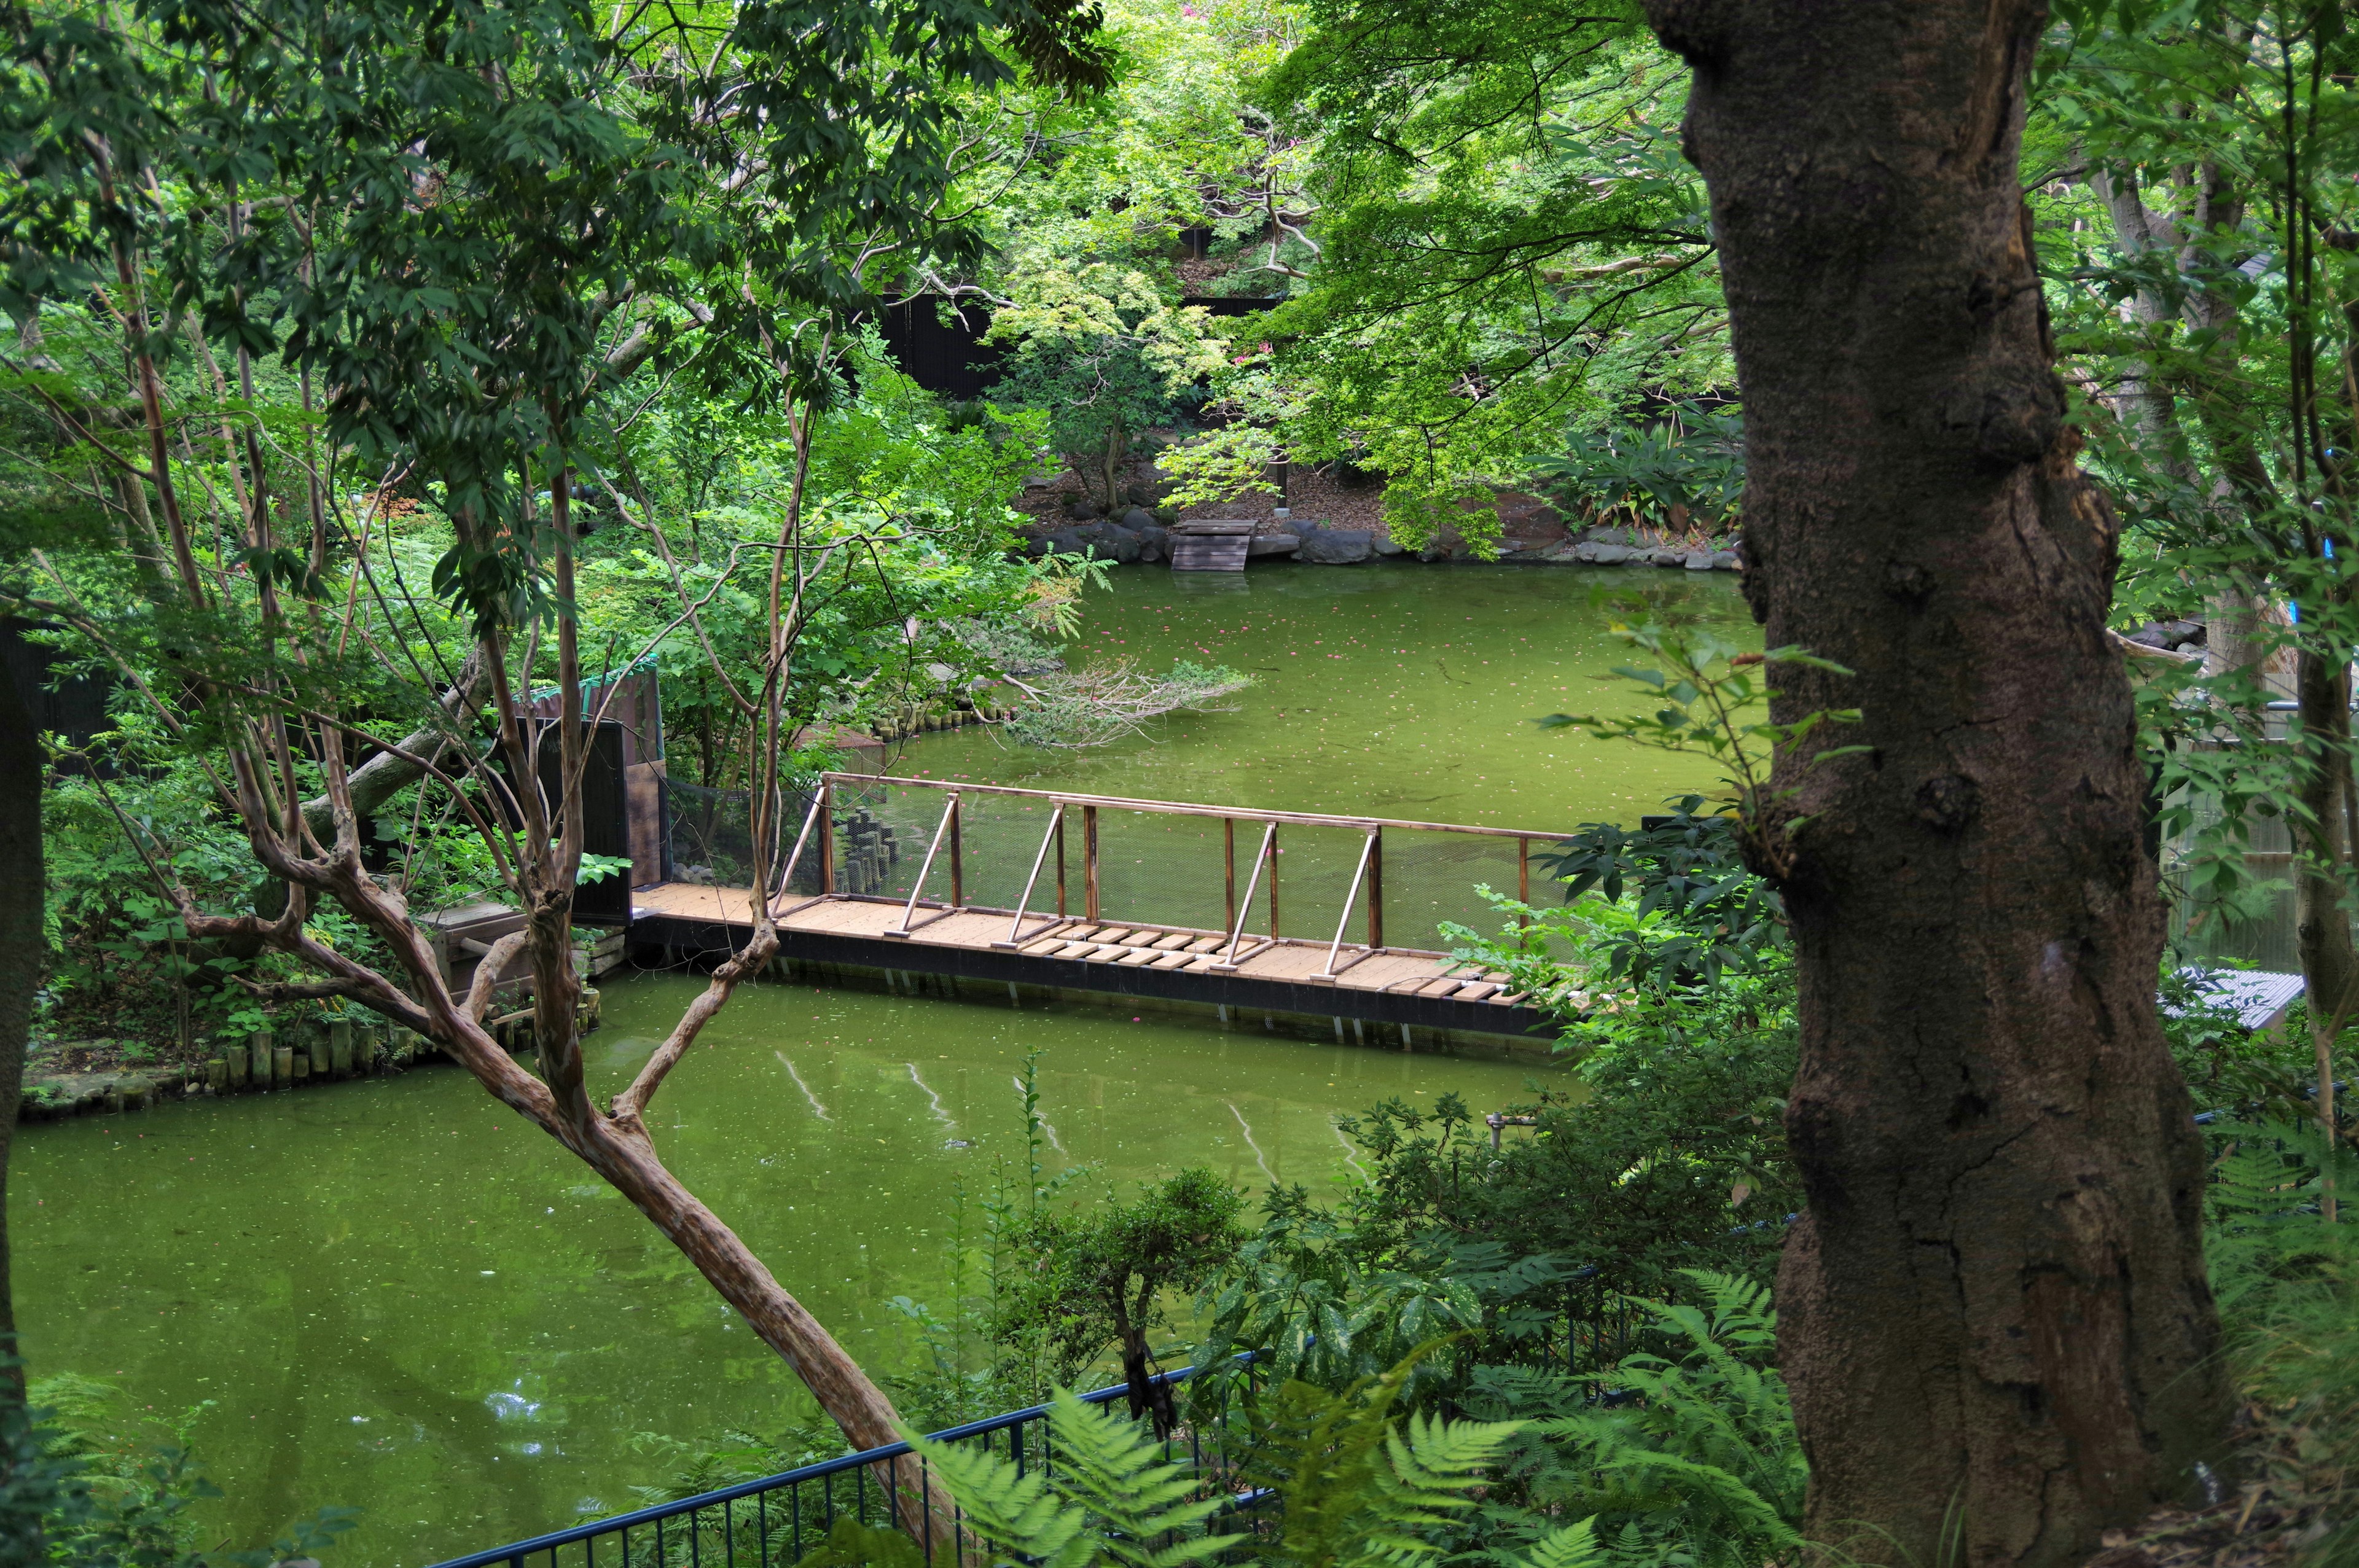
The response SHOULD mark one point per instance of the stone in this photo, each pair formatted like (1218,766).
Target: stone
(2168,633)
(1137,518)
(1335,546)
(1726,560)
(135,1093)
(1080,508)
(1274,544)
(1669,558)
(1118,543)
(1068,542)
(1383,545)
(1698,561)
(1600,555)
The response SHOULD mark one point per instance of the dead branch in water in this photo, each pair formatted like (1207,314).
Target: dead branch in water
(1075,710)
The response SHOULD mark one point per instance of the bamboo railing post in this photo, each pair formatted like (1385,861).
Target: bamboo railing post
(1344,922)
(1090,863)
(1237,928)
(958,866)
(826,838)
(1270,850)
(1376,890)
(1524,875)
(1055,831)
(1061,862)
(918,888)
(1229,858)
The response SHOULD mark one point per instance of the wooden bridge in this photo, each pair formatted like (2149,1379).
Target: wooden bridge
(964,889)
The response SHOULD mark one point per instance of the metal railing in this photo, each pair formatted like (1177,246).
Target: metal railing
(1024,839)
(775,1521)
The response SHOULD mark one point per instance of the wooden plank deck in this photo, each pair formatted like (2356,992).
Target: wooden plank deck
(1386,986)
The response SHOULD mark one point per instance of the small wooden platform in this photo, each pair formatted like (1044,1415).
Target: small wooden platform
(1386,986)
(1211,545)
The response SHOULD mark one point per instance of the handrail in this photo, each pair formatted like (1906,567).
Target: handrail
(515,1552)
(1056,825)
(1189,808)
(1244,910)
(1350,898)
(918,886)
(788,876)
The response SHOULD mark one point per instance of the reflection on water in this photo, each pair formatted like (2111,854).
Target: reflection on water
(398,1295)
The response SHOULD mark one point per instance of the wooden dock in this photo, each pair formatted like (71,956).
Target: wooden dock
(1211,545)
(1115,959)
(1313,983)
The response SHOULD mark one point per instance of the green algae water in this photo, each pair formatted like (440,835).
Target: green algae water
(398,1295)
(1388,689)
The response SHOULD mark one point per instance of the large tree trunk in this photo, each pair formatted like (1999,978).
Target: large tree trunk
(1993,1311)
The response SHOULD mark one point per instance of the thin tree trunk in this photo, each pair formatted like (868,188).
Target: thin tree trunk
(21,959)
(1993,1313)
(2330,961)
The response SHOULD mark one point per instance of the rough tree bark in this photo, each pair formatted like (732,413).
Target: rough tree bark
(1994,1313)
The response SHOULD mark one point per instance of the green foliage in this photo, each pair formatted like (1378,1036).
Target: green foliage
(1509,242)
(852,1544)
(1360,1485)
(1699,1463)
(1687,467)
(103,1493)
(1104,357)
(1088,1277)
(2286,1274)
(1713,702)
(1689,866)
(1113,1497)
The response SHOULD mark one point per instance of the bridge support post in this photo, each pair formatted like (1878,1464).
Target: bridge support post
(1090,863)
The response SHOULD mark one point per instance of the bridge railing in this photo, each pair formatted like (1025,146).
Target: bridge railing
(1355,885)
(775,1520)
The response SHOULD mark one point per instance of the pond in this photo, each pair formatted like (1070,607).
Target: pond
(398,1295)
(1388,689)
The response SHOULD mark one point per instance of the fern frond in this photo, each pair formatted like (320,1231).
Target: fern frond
(1441,1461)
(1006,1507)
(1751,1511)
(1574,1546)
(1115,1470)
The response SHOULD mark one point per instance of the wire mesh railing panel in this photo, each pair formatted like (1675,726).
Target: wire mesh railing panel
(1315,867)
(881,835)
(1163,870)
(1433,877)
(710,832)
(1000,837)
